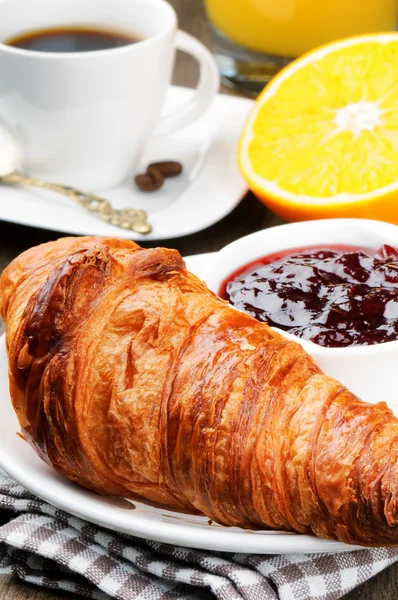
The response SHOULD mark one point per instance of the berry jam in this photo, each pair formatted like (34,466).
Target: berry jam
(334,296)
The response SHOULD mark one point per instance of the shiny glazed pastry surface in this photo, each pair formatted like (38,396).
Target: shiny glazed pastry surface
(131,378)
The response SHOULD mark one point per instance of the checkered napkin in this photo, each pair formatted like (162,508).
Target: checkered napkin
(49,548)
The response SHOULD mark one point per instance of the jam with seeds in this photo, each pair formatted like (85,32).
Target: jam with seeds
(334,296)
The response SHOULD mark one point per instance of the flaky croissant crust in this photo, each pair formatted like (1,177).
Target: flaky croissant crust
(131,378)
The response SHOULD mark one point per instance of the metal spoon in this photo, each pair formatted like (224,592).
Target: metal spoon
(10,161)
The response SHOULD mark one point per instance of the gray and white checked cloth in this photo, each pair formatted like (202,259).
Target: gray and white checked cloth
(49,548)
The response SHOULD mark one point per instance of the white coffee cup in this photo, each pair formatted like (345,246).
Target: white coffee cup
(84,118)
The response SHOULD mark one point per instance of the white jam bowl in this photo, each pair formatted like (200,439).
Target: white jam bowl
(371,372)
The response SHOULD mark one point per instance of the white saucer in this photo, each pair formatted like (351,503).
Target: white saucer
(21,462)
(210,187)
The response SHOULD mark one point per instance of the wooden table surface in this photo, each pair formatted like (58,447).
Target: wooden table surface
(248,217)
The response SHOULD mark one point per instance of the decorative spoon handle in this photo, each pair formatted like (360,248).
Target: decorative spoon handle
(126,218)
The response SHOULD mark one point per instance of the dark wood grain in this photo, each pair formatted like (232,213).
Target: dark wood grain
(248,217)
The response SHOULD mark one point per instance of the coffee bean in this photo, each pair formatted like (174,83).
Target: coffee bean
(147,183)
(156,174)
(168,168)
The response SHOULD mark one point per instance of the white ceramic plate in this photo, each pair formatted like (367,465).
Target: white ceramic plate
(210,187)
(21,462)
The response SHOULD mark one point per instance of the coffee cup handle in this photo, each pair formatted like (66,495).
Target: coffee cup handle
(207,88)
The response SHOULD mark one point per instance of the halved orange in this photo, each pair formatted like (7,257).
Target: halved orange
(322,138)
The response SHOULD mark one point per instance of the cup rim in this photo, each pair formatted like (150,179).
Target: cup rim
(89,54)
(215,269)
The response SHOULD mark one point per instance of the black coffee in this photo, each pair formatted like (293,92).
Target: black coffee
(72,39)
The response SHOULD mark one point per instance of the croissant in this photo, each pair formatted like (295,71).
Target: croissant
(131,378)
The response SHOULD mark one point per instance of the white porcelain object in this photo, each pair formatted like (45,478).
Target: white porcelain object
(22,463)
(369,371)
(10,153)
(83,119)
(208,189)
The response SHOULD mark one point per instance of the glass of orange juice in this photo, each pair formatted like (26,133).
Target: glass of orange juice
(254,39)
